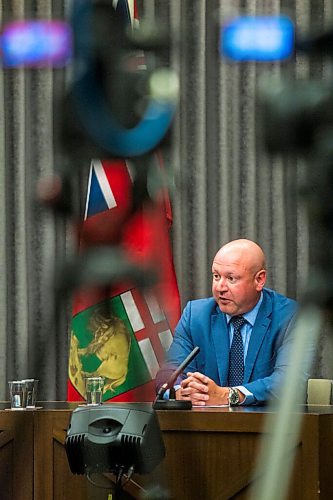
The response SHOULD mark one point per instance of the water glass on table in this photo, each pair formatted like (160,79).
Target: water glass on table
(17,394)
(94,390)
(31,385)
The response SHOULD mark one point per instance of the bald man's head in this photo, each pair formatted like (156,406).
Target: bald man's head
(239,275)
(247,250)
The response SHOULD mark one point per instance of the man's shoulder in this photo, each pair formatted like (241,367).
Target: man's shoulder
(279,301)
(207,304)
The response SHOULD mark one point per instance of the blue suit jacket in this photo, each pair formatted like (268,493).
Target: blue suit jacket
(203,324)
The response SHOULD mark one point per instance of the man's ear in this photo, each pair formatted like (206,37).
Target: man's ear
(260,279)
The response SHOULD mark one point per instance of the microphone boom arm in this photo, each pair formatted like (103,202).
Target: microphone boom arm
(173,404)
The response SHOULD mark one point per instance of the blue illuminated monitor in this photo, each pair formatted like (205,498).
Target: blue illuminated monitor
(257,38)
(36,43)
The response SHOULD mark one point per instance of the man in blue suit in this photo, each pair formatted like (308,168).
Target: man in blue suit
(244,334)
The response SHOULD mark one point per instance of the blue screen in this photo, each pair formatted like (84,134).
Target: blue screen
(36,43)
(262,38)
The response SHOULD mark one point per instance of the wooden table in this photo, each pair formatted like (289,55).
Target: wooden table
(210,454)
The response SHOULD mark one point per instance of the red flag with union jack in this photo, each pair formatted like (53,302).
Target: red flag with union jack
(122,333)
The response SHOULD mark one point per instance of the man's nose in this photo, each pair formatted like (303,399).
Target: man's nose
(221,284)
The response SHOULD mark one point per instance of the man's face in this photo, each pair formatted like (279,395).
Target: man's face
(236,284)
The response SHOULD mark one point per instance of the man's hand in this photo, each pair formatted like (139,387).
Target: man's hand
(201,390)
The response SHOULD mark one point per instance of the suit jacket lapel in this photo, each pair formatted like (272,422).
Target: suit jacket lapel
(220,336)
(259,331)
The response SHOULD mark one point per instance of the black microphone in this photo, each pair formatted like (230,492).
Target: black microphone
(172,403)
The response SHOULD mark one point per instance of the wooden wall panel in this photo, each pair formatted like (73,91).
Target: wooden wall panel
(16,455)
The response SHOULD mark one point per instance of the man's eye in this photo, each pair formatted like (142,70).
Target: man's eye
(216,277)
(232,279)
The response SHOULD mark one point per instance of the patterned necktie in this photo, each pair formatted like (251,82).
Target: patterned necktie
(236,356)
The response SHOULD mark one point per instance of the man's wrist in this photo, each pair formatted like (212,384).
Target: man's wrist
(224,395)
(241,396)
(235,396)
(249,398)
